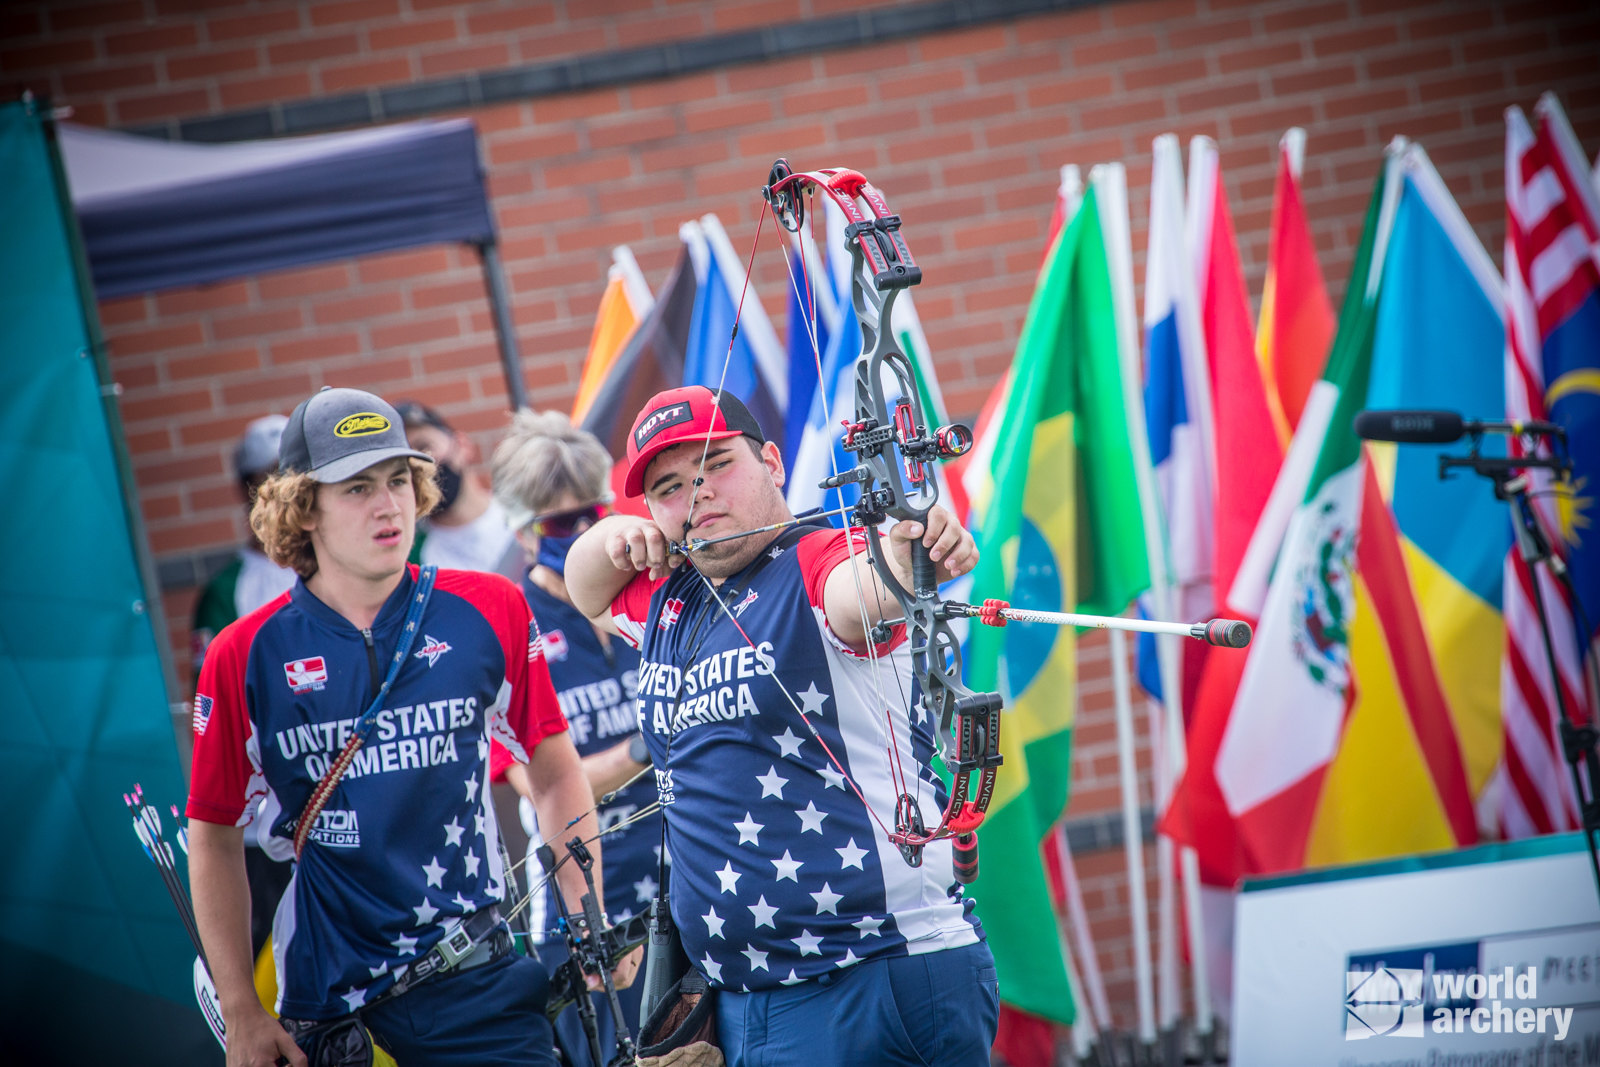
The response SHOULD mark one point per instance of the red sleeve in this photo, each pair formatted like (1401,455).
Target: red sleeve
(819,553)
(630,611)
(225,776)
(530,712)
(499,760)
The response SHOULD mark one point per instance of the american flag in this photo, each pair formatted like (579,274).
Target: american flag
(202,712)
(1552,271)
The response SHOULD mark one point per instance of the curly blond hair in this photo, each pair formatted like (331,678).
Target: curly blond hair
(287,499)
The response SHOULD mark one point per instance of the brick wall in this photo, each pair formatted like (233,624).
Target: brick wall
(963,130)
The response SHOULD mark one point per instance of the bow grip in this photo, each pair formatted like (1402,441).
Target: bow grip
(924,572)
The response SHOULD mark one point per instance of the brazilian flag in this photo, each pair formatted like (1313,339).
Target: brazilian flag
(1060,530)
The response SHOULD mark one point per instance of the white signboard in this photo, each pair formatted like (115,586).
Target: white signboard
(1484,957)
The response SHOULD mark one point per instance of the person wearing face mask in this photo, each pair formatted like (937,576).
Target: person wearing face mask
(552,480)
(468,531)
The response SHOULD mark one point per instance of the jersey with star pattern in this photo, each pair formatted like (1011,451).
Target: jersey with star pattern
(780,872)
(596,684)
(407,844)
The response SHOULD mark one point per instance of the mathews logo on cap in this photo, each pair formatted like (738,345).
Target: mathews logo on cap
(658,420)
(337,433)
(361,424)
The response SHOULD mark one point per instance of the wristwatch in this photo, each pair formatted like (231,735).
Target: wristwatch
(637,750)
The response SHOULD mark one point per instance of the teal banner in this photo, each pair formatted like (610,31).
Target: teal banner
(97,965)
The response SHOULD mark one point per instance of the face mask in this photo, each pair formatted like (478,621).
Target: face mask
(449,482)
(553,552)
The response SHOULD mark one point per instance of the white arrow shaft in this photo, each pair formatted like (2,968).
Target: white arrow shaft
(1100,622)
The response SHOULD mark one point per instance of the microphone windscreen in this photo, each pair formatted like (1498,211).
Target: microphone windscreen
(1409,427)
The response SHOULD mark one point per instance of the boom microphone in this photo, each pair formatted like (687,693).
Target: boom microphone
(1438,427)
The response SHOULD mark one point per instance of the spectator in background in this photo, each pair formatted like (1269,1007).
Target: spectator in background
(468,531)
(251,579)
(552,480)
(241,587)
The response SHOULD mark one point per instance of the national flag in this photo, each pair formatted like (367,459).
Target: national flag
(1361,695)
(1247,450)
(821,453)
(749,364)
(1552,257)
(1244,460)
(1177,409)
(624,303)
(972,469)
(1296,323)
(1062,530)
(821,450)
(813,319)
(651,361)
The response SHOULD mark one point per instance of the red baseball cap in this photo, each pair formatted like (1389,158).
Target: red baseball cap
(688,413)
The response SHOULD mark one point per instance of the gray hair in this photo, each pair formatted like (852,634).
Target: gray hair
(543,456)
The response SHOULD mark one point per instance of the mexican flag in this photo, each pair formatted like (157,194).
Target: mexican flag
(1060,530)
(1368,687)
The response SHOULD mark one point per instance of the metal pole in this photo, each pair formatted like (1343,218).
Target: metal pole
(494,278)
(1133,840)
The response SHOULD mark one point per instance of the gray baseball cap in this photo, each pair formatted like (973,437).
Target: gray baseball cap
(338,433)
(257,452)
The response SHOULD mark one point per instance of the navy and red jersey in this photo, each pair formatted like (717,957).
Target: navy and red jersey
(780,872)
(407,843)
(596,684)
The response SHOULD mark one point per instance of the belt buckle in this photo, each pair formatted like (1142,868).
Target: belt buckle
(456,946)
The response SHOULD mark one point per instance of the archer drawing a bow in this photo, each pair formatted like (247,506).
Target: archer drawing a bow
(896,450)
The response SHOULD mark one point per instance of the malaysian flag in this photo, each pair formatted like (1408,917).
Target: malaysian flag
(1552,273)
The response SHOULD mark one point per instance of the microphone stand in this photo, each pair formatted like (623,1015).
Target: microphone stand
(1510,478)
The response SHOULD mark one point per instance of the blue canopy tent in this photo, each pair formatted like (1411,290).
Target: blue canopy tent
(159,215)
(90,689)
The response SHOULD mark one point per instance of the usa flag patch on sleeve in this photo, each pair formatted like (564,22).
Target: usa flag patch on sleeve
(202,712)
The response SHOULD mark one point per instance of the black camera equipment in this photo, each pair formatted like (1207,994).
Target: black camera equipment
(1512,480)
(592,948)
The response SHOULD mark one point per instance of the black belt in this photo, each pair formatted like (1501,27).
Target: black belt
(479,941)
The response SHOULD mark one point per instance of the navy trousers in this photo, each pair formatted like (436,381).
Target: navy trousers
(937,1008)
(491,1016)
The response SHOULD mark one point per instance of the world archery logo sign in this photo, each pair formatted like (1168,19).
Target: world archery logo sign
(432,648)
(1386,1002)
(1325,600)
(308,674)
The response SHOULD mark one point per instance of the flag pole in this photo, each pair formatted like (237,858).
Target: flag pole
(1084,1031)
(1169,753)
(1133,839)
(1082,940)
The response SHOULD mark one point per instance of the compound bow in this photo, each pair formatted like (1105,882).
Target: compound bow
(896,448)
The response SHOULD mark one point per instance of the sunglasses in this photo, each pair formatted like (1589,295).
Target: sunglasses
(567,523)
